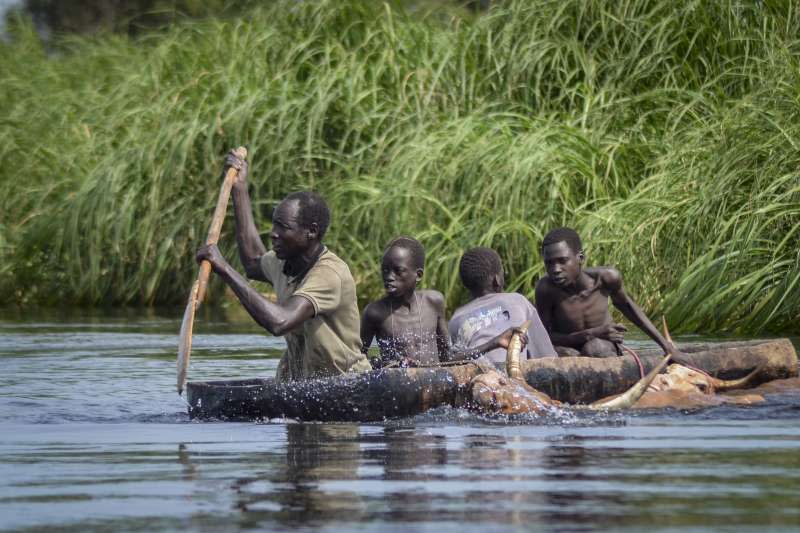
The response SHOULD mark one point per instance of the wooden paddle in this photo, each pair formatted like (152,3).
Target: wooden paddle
(198,291)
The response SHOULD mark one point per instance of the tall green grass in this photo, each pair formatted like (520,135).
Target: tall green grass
(667,133)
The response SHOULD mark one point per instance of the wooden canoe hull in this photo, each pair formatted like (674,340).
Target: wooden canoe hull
(366,397)
(588,379)
(396,392)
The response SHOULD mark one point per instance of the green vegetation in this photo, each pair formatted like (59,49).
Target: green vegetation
(667,133)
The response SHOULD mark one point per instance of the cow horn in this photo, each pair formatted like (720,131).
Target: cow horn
(730,384)
(632,395)
(667,336)
(513,366)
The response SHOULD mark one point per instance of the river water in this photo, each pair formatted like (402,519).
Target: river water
(93,437)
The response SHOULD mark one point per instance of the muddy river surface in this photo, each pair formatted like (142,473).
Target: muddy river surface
(94,437)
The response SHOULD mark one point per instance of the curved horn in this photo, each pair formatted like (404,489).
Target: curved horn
(730,384)
(513,366)
(667,336)
(632,395)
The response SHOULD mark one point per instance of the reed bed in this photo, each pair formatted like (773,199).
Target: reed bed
(667,133)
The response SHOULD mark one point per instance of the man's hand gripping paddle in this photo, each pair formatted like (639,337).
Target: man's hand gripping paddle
(198,291)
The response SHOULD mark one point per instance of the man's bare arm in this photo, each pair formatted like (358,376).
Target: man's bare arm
(613,282)
(251,248)
(275,318)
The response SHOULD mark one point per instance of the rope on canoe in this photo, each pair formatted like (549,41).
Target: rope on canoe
(636,358)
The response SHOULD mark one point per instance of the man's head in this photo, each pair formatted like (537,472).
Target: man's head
(562,252)
(298,223)
(402,266)
(481,270)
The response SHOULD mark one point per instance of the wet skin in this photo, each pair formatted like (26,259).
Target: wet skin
(572,302)
(299,246)
(409,324)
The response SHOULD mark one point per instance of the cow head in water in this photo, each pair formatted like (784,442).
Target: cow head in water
(509,394)
(494,392)
(680,378)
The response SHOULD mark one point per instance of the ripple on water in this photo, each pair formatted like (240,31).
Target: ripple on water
(93,437)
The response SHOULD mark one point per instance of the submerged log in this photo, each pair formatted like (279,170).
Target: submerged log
(398,392)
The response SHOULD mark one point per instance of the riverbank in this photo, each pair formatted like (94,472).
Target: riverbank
(666,133)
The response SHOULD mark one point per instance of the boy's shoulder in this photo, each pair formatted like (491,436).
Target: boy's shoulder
(609,276)
(544,285)
(377,311)
(504,297)
(432,297)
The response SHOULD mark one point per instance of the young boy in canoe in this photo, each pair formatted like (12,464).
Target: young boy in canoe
(410,324)
(491,312)
(573,302)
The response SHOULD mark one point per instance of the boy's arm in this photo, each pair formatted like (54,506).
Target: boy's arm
(500,341)
(275,318)
(610,332)
(368,329)
(442,331)
(612,280)
(251,248)
(539,344)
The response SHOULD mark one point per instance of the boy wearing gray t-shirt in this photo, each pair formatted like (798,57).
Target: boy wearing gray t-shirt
(490,312)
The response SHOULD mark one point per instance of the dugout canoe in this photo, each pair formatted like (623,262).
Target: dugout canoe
(400,392)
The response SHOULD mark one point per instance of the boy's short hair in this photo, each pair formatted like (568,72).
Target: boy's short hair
(567,235)
(312,209)
(412,245)
(477,266)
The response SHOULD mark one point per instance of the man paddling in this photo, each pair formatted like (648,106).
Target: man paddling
(316,309)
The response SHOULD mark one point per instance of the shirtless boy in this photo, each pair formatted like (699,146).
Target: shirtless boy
(410,324)
(573,302)
(491,311)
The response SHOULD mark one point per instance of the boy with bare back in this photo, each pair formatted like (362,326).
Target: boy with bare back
(410,324)
(573,302)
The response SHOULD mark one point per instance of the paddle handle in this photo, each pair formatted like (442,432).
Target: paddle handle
(216,223)
(198,290)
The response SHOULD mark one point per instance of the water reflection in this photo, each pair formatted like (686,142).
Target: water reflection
(329,474)
(293,491)
(93,437)
(189,469)
(406,453)
(338,475)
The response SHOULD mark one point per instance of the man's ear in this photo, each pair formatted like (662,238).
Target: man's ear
(581,256)
(419,274)
(497,284)
(313,231)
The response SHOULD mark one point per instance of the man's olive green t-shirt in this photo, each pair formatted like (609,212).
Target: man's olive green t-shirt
(329,343)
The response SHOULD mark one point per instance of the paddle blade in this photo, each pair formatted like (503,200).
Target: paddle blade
(185,341)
